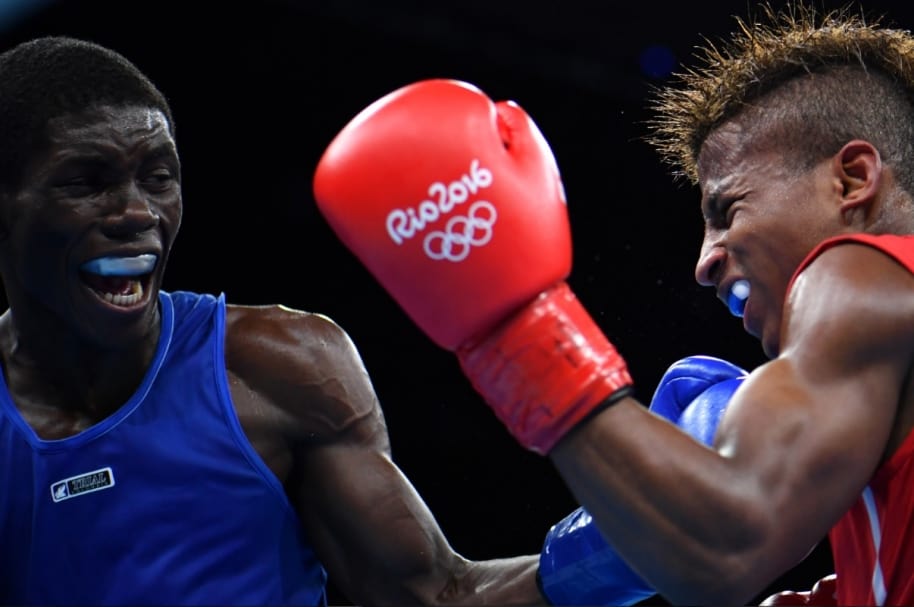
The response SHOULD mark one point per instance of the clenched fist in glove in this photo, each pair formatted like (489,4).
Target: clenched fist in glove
(577,565)
(454,203)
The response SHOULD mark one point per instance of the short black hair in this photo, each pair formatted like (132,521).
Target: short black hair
(52,76)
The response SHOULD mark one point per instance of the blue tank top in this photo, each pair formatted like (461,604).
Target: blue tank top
(165,502)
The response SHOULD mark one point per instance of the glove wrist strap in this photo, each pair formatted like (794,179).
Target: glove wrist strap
(545,369)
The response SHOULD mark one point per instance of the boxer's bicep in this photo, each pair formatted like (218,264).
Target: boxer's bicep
(810,427)
(374,534)
(310,406)
(368,525)
(304,371)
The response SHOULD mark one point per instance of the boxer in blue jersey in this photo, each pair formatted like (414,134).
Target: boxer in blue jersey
(169,448)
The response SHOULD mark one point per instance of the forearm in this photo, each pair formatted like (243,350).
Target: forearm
(697,545)
(509,581)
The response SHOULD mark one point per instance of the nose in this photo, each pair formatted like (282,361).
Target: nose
(710,262)
(131,215)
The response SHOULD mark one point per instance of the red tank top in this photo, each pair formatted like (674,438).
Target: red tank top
(873,543)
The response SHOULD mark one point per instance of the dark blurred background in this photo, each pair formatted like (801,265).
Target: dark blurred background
(260,88)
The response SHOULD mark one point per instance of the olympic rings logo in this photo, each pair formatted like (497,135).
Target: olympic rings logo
(462,233)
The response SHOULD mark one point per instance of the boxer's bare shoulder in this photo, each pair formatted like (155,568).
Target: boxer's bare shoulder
(298,375)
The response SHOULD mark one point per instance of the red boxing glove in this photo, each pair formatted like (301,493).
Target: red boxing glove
(455,204)
(824,592)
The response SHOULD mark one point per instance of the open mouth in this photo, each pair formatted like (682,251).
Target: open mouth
(120,281)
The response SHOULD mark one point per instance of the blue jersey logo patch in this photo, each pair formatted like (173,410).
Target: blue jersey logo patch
(82,484)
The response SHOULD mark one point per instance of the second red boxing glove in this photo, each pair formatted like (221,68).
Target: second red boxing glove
(455,204)
(824,592)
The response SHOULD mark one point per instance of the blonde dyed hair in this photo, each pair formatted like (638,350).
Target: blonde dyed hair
(807,80)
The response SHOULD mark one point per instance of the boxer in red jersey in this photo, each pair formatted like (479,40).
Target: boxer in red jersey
(798,130)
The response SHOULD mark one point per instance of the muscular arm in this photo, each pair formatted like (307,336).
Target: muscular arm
(370,528)
(800,440)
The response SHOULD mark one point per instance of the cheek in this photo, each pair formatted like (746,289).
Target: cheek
(170,208)
(170,218)
(175,215)
(769,254)
(784,231)
(38,250)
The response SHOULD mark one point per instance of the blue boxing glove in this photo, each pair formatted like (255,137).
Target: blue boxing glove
(694,392)
(577,566)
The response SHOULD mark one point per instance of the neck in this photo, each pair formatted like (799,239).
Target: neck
(48,366)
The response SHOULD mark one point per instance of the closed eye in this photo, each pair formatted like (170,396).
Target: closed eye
(725,209)
(728,209)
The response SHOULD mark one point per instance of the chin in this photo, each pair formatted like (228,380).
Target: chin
(771,347)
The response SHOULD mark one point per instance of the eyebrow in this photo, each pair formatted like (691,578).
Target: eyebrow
(90,150)
(164,150)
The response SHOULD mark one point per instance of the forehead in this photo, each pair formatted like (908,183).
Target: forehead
(110,122)
(724,148)
(738,148)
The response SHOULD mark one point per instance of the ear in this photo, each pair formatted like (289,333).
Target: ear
(858,166)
